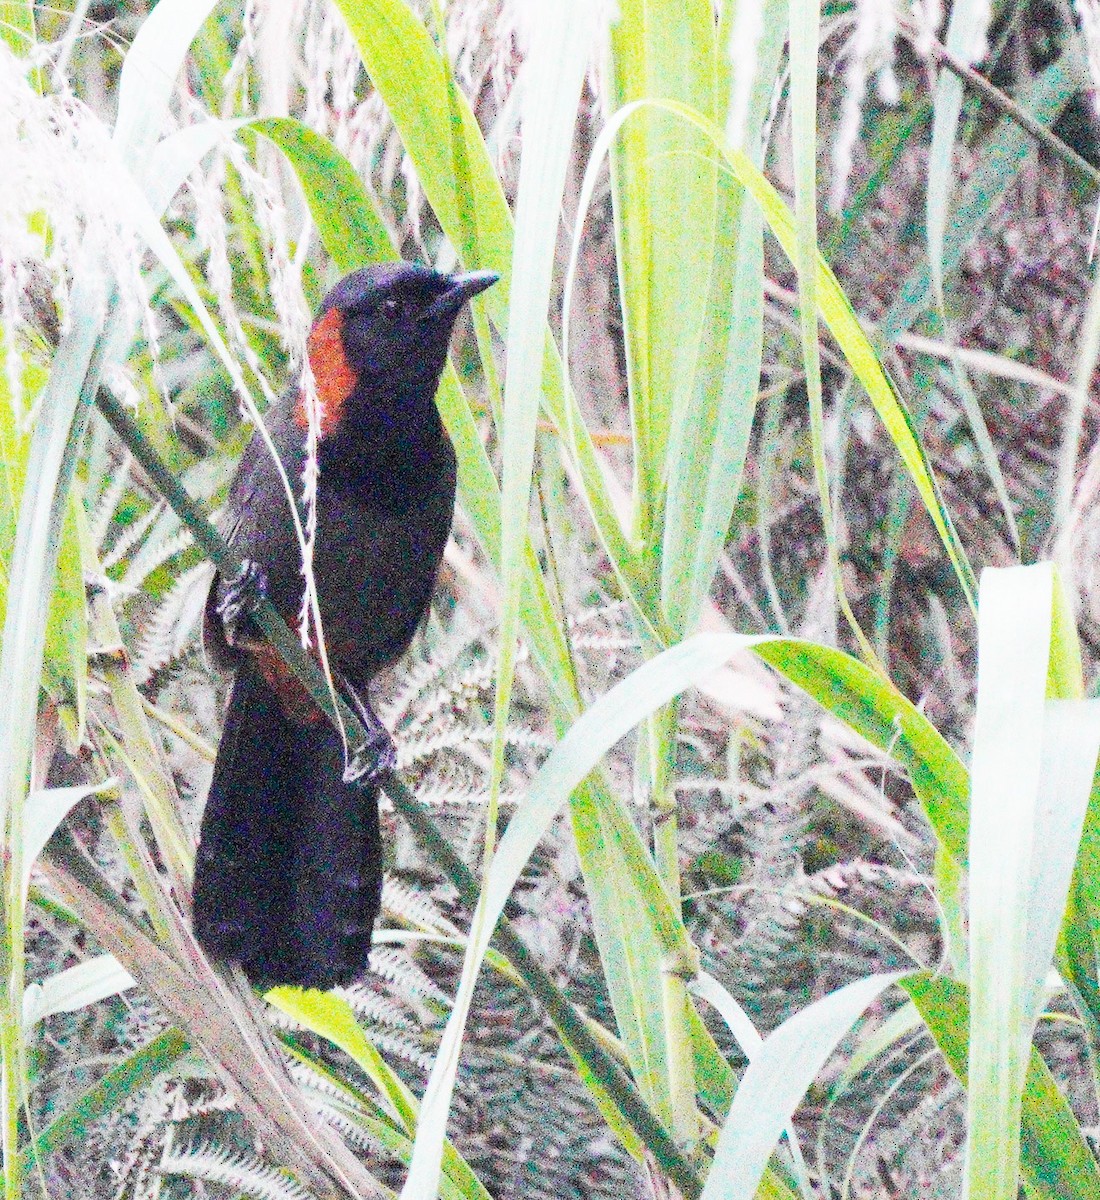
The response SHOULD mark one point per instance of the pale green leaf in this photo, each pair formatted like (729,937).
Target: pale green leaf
(1057,1162)
(553,74)
(1032,771)
(148,77)
(75,988)
(775,1082)
(46,809)
(663,191)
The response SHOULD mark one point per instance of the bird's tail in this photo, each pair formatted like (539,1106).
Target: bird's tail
(288,875)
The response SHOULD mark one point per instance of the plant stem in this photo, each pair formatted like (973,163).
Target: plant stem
(136,743)
(1003,103)
(569,1022)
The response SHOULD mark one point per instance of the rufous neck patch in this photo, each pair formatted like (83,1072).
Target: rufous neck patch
(332,373)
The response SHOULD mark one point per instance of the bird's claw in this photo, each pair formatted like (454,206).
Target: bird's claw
(376,756)
(372,760)
(241,598)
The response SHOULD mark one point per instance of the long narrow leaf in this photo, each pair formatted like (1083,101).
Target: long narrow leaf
(122,1081)
(75,988)
(332,1017)
(1033,766)
(1003,155)
(710,439)
(835,310)
(776,1080)
(1056,1159)
(965,30)
(664,202)
(149,73)
(706,987)
(562,41)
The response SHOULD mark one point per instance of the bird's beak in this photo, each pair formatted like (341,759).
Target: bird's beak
(460,288)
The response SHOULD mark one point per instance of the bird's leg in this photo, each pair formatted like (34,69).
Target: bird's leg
(376,756)
(241,598)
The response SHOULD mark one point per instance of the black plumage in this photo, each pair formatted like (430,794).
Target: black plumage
(289,867)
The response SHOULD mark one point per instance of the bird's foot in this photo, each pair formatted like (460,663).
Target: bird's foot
(372,760)
(376,756)
(241,598)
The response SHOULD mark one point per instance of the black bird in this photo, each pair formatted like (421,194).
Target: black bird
(289,869)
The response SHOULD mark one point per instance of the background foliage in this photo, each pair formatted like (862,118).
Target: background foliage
(794,340)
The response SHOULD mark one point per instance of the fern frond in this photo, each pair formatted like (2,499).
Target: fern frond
(405,975)
(461,736)
(419,674)
(171,628)
(605,643)
(155,551)
(108,500)
(415,907)
(235,1169)
(466,795)
(374,1007)
(132,535)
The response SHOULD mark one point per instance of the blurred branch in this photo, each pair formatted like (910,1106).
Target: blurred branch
(1000,101)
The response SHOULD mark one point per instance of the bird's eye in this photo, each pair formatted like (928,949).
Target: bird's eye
(391,309)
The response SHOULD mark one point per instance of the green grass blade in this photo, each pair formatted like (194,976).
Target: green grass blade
(1032,772)
(561,42)
(148,78)
(1071,742)
(332,1017)
(66,645)
(1014,647)
(122,1081)
(1004,154)
(631,950)
(406,68)
(75,988)
(46,809)
(966,26)
(174,158)
(707,988)
(876,710)
(710,435)
(663,192)
(348,221)
(710,439)
(1056,1162)
(805,20)
(66,663)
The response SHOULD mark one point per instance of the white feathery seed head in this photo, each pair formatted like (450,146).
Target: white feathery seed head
(63,215)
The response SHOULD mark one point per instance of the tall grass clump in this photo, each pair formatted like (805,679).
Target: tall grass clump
(745,838)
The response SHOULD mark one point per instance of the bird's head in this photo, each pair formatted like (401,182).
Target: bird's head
(383,332)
